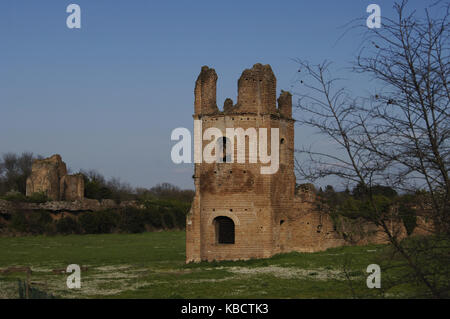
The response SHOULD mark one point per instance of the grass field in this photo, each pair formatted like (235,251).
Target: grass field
(151,265)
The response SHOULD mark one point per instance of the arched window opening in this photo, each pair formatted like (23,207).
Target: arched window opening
(224,150)
(224,227)
(282,151)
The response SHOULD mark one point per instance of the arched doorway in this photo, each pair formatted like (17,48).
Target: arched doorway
(224,228)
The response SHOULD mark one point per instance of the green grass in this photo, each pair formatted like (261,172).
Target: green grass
(151,265)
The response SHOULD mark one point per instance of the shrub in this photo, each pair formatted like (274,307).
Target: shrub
(88,223)
(101,222)
(153,217)
(132,220)
(95,191)
(67,225)
(168,219)
(14,197)
(179,217)
(19,197)
(38,222)
(19,222)
(38,198)
(128,220)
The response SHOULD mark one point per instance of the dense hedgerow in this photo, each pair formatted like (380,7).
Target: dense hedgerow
(156,215)
(67,225)
(18,197)
(39,222)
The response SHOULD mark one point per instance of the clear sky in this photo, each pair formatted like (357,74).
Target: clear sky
(107,96)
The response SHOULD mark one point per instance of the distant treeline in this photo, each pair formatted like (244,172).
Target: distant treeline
(15,169)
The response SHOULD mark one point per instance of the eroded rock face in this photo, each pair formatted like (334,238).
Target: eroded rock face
(5,206)
(49,176)
(75,206)
(45,177)
(83,205)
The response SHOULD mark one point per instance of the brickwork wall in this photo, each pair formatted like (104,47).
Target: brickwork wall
(254,201)
(268,217)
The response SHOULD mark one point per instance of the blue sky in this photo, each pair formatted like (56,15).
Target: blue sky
(108,95)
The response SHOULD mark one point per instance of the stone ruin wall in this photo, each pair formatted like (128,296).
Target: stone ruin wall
(269,217)
(71,187)
(307,229)
(49,176)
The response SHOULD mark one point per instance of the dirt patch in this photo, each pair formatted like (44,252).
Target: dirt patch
(288,272)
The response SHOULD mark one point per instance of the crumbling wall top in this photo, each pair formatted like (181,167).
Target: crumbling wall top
(53,161)
(205,92)
(257,90)
(285,104)
(256,93)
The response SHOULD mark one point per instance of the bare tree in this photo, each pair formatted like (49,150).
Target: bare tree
(397,137)
(408,123)
(14,171)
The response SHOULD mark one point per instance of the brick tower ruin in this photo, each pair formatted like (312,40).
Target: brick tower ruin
(237,211)
(240,213)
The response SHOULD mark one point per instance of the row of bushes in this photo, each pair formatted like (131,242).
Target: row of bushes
(18,197)
(127,220)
